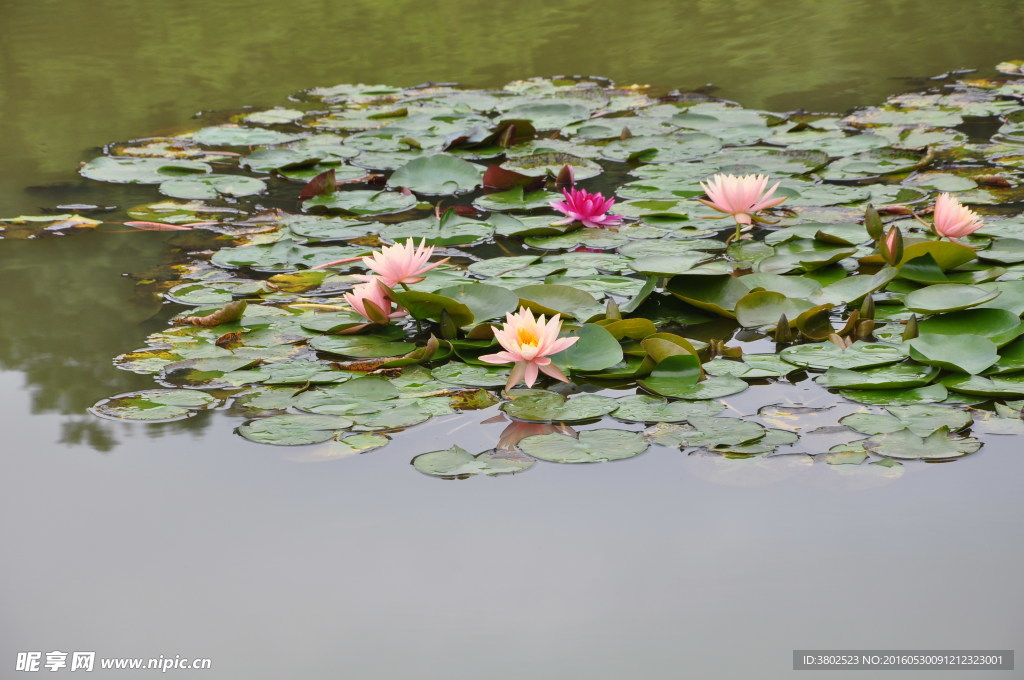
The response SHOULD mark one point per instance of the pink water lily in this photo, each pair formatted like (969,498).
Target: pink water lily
(953,220)
(529,342)
(401,263)
(370,300)
(589,208)
(740,197)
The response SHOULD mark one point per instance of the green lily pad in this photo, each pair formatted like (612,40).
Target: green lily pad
(1004,386)
(293,429)
(470,375)
(846,454)
(437,175)
(235,135)
(708,433)
(596,350)
(552,299)
(153,405)
(361,346)
(457,463)
(362,202)
(515,199)
(825,355)
(549,407)
(964,352)
(998,325)
(449,230)
(672,378)
(592,446)
(211,186)
(906,445)
(141,170)
(931,394)
(642,408)
(896,376)
(764,307)
(483,301)
(947,297)
(718,294)
(751,367)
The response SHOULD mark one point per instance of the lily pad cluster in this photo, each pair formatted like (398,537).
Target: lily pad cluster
(675,322)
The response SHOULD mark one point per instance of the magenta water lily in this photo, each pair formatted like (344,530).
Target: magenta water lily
(591,209)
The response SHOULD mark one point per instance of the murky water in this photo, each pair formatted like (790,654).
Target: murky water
(182,539)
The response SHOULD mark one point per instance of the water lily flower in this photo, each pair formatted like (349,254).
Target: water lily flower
(953,220)
(370,300)
(529,343)
(401,263)
(740,197)
(589,208)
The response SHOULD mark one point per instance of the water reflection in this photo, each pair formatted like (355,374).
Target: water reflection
(71,303)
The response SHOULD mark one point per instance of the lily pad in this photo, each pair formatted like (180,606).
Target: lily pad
(642,408)
(153,405)
(293,429)
(963,352)
(437,175)
(947,297)
(906,445)
(823,355)
(457,463)
(592,446)
(362,202)
(549,407)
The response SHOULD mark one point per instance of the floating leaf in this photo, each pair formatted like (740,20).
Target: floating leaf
(824,355)
(645,408)
(592,446)
(293,429)
(457,463)
(153,405)
(437,175)
(362,202)
(549,407)
(963,352)
(947,298)
(904,444)
(896,376)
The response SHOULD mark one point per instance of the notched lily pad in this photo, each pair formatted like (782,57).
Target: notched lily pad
(591,446)
(457,463)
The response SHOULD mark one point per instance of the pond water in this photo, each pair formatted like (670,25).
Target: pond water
(183,539)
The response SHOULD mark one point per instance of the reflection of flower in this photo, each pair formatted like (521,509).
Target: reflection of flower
(740,197)
(518,430)
(590,209)
(370,300)
(401,263)
(953,220)
(529,342)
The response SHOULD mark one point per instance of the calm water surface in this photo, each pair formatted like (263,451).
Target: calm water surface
(183,539)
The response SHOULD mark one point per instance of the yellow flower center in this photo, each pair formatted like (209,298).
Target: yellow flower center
(526,337)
